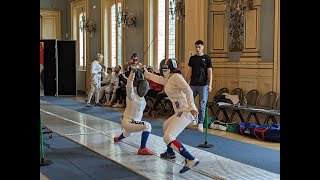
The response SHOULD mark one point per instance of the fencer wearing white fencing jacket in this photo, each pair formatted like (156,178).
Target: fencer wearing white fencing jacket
(95,75)
(181,97)
(177,89)
(134,103)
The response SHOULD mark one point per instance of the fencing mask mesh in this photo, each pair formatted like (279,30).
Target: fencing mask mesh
(142,87)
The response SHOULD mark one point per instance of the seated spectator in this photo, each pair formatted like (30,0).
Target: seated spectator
(105,82)
(161,95)
(155,88)
(114,85)
(121,91)
(106,77)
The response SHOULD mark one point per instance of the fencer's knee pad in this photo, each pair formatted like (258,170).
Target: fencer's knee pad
(147,127)
(167,138)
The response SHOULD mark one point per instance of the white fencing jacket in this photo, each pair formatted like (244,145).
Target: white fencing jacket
(134,103)
(177,89)
(95,68)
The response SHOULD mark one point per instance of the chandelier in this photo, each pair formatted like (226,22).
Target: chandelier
(125,19)
(86,25)
(176,9)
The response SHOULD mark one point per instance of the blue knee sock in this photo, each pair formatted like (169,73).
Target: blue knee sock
(181,149)
(185,153)
(121,137)
(170,150)
(144,138)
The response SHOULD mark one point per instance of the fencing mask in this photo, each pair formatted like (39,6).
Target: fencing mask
(142,87)
(169,66)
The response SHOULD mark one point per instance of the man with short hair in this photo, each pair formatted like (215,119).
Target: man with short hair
(114,85)
(105,82)
(200,73)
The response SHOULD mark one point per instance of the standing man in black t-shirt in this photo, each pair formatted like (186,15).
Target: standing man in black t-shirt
(200,72)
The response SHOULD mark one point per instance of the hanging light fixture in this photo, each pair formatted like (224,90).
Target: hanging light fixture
(87,25)
(177,9)
(125,19)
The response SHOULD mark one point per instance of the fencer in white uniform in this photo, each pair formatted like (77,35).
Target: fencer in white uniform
(131,118)
(181,96)
(96,71)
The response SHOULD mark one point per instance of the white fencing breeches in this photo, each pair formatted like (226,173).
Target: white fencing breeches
(173,126)
(130,126)
(95,88)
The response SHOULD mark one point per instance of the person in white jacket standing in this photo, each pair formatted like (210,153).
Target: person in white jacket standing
(131,118)
(96,71)
(181,96)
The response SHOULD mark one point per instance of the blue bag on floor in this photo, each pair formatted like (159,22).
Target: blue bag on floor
(247,128)
(269,132)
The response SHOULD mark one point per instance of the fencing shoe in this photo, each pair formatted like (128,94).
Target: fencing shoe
(145,151)
(167,155)
(116,139)
(189,164)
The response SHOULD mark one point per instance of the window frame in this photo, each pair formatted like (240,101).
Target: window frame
(76,7)
(106,33)
(151,31)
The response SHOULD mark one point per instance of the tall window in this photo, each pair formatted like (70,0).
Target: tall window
(116,35)
(166,25)
(172,30)
(161,30)
(119,39)
(113,36)
(82,36)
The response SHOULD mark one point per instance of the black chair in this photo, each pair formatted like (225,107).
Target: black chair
(239,93)
(213,103)
(266,103)
(272,113)
(252,99)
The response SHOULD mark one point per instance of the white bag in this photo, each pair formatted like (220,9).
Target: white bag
(219,125)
